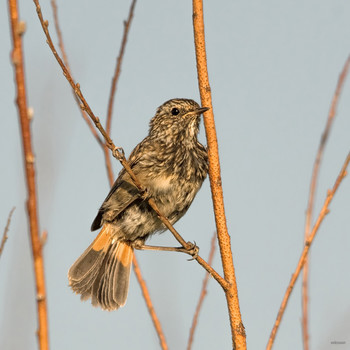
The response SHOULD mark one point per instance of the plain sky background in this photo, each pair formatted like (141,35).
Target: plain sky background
(273,69)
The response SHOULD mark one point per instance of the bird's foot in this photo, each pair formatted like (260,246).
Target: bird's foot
(193,250)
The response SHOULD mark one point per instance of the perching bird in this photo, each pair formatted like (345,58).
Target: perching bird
(172,165)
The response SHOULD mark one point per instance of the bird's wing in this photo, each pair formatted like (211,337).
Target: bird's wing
(123,192)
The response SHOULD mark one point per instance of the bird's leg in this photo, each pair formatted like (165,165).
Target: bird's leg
(145,196)
(192,250)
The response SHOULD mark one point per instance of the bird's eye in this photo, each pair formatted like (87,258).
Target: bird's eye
(175,111)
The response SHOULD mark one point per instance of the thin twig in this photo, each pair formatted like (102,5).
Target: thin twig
(149,304)
(66,62)
(237,328)
(117,152)
(202,294)
(29,160)
(115,79)
(4,236)
(311,200)
(324,211)
(110,175)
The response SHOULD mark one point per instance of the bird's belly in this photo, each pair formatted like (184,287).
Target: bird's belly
(172,198)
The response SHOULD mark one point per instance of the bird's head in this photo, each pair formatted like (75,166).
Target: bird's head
(176,120)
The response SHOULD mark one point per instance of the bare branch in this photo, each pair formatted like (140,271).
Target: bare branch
(29,160)
(237,328)
(311,200)
(110,175)
(324,211)
(202,294)
(4,236)
(113,90)
(149,304)
(66,62)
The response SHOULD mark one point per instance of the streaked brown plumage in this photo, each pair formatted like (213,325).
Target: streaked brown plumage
(172,165)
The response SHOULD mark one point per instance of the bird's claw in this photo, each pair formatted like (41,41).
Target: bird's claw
(145,195)
(119,153)
(193,250)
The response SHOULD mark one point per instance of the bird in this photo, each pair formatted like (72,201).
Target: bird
(171,164)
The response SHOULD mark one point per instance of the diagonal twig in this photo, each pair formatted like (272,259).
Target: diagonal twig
(202,294)
(146,296)
(313,185)
(113,90)
(110,175)
(4,236)
(29,161)
(118,154)
(231,293)
(324,211)
(66,62)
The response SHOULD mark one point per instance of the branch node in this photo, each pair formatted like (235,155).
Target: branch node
(21,28)
(40,297)
(46,23)
(30,113)
(16,60)
(77,86)
(30,159)
(43,238)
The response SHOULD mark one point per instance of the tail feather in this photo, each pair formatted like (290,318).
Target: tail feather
(121,274)
(89,262)
(111,286)
(102,272)
(100,285)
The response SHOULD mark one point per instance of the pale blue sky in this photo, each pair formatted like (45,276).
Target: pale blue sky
(273,68)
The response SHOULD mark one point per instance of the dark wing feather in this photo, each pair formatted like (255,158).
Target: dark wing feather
(123,192)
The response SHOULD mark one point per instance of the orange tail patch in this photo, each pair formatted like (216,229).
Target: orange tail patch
(124,254)
(111,286)
(83,272)
(102,239)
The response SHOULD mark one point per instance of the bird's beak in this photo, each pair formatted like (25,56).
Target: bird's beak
(201,110)
(196,112)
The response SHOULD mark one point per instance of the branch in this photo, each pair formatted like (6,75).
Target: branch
(313,185)
(65,60)
(29,160)
(237,328)
(118,152)
(148,301)
(110,175)
(202,294)
(324,211)
(4,236)
(113,90)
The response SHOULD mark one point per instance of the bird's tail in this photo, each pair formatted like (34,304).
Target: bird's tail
(102,272)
